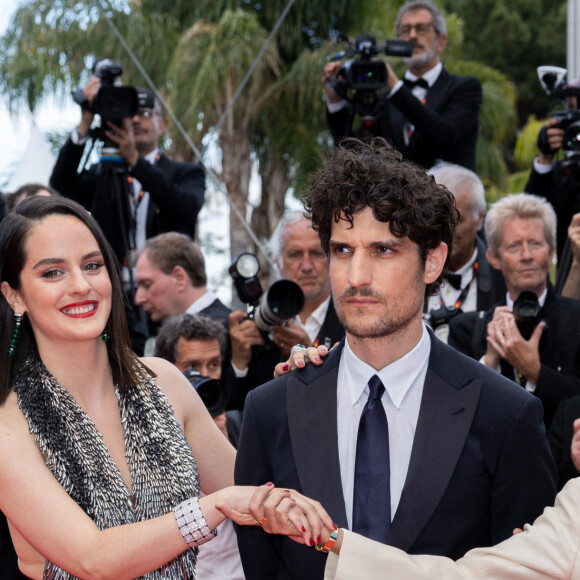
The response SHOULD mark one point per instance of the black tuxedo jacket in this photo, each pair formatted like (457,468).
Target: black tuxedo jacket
(559,348)
(176,193)
(471,477)
(264,359)
(446,126)
(560,437)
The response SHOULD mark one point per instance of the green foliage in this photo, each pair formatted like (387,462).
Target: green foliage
(515,37)
(526,148)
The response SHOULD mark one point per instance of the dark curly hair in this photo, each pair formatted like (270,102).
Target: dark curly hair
(373,174)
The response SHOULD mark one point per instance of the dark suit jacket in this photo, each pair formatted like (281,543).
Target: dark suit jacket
(446,126)
(264,359)
(471,477)
(559,348)
(176,192)
(560,437)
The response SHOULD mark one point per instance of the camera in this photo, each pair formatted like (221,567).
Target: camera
(527,313)
(439,319)
(553,80)
(282,301)
(364,75)
(209,390)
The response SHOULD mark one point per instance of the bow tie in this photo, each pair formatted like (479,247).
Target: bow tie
(416,83)
(453,279)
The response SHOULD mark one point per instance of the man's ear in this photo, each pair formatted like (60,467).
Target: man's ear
(180,277)
(12,296)
(434,262)
(492,259)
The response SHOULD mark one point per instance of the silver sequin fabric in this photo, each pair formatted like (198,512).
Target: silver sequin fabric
(161,463)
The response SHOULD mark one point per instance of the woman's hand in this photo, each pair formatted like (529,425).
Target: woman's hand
(299,358)
(285,512)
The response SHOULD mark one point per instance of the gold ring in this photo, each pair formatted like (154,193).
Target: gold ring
(261,522)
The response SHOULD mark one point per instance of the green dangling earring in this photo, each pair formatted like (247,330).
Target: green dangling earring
(15,334)
(105,336)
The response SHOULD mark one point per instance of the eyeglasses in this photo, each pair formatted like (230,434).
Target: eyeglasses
(145,113)
(420,29)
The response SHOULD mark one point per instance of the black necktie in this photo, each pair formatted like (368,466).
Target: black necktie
(416,83)
(453,279)
(372,472)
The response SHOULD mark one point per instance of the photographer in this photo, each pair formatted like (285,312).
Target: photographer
(533,343)
(296,249)
(430,115)
(558,181)
(163,195)
(469,282)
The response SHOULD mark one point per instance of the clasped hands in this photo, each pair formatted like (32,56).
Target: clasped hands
(504,341)
(279,511)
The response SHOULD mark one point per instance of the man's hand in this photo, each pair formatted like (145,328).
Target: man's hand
(244,334)
(575,448)
(392,78)
(124,138)
(554,139)
(328,74)
(505,338)
(87,117)
(574,236)
(285,337)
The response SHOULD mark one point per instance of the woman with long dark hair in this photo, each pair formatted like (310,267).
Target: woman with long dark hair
(103,454)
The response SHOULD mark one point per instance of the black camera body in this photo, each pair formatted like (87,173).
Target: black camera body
(209,390)
(553,79)
(112,103)
(527,313)
(442,315)
(281,302)
(364,73)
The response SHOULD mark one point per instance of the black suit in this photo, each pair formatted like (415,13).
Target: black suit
(176,192)
(560,437)
(471,478)
(559,348)
(446,126)
(217,310)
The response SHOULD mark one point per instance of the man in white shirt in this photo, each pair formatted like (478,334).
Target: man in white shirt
(161,195)
(469,282)
(453,469)
(171,279)
(296,250)
(430,115)
(521,233)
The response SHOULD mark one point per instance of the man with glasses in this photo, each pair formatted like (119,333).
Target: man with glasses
(430,115)
(163,195)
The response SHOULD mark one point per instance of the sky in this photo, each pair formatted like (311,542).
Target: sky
(50,116)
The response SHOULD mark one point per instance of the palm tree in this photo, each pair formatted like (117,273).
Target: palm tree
(209,63)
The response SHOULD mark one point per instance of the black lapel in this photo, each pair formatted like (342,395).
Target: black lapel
(312,411)
(450,399)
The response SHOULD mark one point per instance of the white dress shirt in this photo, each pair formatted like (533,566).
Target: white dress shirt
(449,294)
(403,381)
(201,303)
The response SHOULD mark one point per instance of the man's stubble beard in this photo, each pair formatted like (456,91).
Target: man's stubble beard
(385,325)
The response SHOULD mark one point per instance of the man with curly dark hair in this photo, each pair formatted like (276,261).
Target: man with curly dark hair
(401,438)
